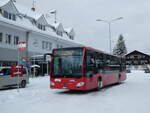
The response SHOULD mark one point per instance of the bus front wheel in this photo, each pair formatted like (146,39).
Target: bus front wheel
(99,84)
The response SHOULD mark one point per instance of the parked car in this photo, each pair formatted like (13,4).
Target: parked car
(6,80)
(147,70)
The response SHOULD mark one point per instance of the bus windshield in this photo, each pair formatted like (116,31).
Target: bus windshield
(67,63)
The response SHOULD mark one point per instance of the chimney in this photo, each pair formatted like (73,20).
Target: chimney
(33,9)
(33,6)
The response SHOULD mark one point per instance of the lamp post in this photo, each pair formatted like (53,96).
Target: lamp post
(109,26)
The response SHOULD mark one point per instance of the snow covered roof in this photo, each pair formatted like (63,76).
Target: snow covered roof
(31,14)
(4,2)
(56,26)
(25,22)
(69,31)
(27,12)
(42,20)
(16,8)
(31,28)
(8,5)
(137,51)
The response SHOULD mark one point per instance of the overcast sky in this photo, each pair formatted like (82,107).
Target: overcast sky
(82,15)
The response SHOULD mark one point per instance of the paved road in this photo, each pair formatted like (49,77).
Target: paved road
(132,96)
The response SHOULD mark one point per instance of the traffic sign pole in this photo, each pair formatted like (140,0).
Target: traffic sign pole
(21,47)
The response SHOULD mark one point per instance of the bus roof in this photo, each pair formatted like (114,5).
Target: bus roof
(89,48)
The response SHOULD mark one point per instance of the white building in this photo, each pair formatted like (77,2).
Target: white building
(18,23)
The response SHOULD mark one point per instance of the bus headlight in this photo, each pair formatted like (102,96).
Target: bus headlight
(52,83)
(80,84)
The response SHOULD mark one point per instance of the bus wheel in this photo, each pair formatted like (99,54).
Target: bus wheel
(99,84)
(23,84)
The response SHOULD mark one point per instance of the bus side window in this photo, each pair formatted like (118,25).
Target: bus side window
(106,61)
(123,64)
(90,63)
(99,62)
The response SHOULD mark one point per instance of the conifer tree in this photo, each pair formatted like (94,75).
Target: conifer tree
(120,48)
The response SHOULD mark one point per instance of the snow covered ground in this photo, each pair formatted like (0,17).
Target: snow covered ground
(132,96)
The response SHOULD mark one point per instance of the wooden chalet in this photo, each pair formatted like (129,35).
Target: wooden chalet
(136,58)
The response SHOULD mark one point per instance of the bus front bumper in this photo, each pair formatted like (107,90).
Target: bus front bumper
(67,84)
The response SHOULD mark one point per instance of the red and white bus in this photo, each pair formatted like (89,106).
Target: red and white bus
(85,68)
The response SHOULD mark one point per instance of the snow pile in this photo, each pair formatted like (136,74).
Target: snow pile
(132,96)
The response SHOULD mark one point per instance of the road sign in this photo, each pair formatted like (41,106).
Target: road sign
(48,58)
(22,46)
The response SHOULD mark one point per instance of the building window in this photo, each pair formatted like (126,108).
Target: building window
(8,39)
(46,45)
(42,27)
(128,57)
(59,33)
(57,45)
(139,56)
(5,14)
(131,56)
(128,62)
(143,61)
(43,44)
(16,40)
(33,22)
(50,46)
(1,37)
(135,57)
(9,16)
(0,11)
(39,26)
(136,62)
(61,46)
(13,17)
(71,37)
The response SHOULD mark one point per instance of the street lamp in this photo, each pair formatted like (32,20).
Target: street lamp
(109,23)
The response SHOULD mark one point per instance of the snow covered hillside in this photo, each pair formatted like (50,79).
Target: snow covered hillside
(132,96)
